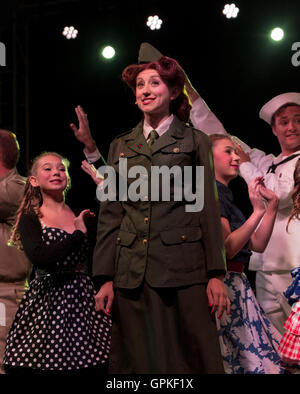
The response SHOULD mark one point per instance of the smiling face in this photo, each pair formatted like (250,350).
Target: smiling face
(226,161)
(287,129)
(50,174)
(153,96)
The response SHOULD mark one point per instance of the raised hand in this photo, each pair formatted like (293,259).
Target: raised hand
(79,220)
(82,133)
(244,157)
(92,172)
(267,194)
(255,196)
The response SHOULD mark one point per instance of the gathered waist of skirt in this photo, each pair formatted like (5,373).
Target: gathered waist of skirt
(40,273)
(235,266)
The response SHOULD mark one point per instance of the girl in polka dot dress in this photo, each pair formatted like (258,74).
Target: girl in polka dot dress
(56,327)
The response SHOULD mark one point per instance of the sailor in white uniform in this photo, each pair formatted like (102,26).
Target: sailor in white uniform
(283,251)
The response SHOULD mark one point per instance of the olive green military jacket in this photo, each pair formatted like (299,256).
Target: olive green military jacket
(14,265)
(158,241)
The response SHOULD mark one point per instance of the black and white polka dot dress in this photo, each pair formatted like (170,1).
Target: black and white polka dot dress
(56,326)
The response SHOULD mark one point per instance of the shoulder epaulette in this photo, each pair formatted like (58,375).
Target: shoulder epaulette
(191,126)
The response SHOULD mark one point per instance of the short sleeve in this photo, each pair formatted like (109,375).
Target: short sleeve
(223,206)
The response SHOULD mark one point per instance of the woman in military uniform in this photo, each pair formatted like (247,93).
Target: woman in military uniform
(161,264)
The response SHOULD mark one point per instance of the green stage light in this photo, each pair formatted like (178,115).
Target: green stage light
(277,34)
(108,52)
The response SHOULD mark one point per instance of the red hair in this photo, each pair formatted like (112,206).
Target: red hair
(171,74)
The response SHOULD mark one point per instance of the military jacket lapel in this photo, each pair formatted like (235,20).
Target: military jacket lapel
(168,142)
(137,142)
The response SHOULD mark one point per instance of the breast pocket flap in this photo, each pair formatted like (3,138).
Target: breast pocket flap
(125,238)
(181,235)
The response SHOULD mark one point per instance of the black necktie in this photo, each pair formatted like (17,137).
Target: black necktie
(273,167)
(152,137)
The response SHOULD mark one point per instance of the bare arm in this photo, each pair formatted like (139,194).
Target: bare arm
(236,240)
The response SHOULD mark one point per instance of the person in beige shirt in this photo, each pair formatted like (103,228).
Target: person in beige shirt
(14,265)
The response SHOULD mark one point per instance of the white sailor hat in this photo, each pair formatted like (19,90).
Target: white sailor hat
(268,110)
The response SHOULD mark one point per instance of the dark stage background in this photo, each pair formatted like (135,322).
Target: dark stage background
(233,64)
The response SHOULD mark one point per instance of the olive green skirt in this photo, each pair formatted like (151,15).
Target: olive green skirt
(164,331)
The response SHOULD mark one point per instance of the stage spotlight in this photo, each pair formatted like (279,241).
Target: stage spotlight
(230,10)
(70,32)
(154,22)
(108,52)
(277,34)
